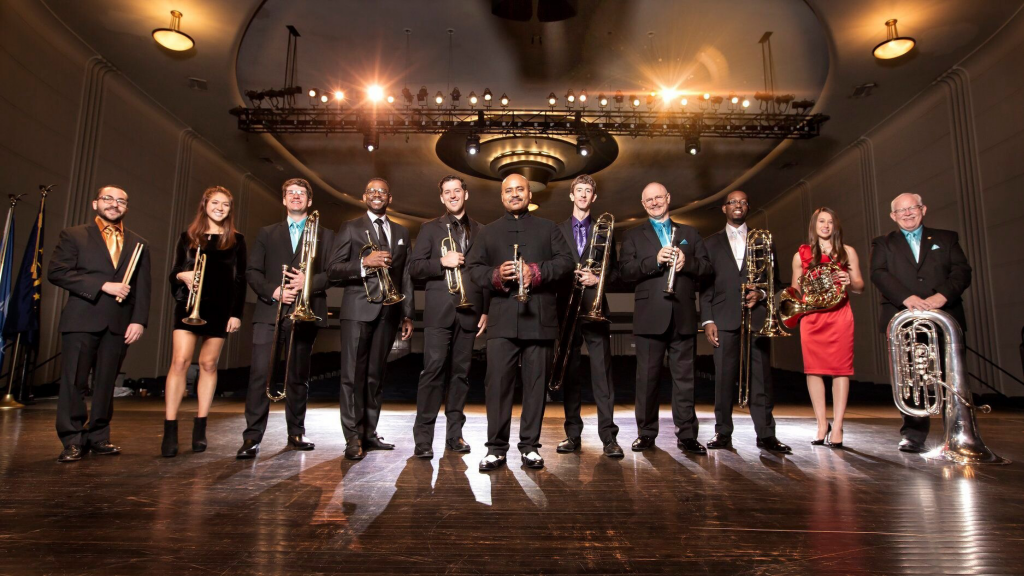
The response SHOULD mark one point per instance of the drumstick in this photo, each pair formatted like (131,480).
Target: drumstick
(136,254)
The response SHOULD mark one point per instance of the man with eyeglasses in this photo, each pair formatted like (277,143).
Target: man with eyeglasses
(90,262)
(921,269)
(720,313)
(664,322)
(276,246)
(368,327)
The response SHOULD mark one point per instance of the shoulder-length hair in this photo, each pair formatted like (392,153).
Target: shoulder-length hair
(197,229)
(838,254)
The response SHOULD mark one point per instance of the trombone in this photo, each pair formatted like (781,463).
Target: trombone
(453,276)
(760,276)
(523,295)
(386,293)
(195,291)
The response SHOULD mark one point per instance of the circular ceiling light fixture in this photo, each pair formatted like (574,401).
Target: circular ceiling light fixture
(173,38)
(894,45)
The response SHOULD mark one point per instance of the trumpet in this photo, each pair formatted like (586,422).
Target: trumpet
(386,293)
(523,295)
(671,288)
(760,275)
(195,291)
(453,276)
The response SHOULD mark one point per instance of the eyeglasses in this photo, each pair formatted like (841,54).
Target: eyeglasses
(653,200)
(297,193)
(907,210)
(377,192)
(111,200)
(737,203)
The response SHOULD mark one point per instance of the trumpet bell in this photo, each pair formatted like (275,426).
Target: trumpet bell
(462,305)
(595,317)
(193,321)
(393,298)
(303,315)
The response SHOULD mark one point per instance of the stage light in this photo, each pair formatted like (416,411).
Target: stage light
(438,98)
(390,98)
(650,100)
(692,145)
(583,98)
(371,142)
(746,103)
(487,97)
(634,101)
(312,92)
(324,98)
(618,98)
(552,100)
(339,95)
(570,97)
(734,99)
(472,99)
(602,100)
(421,96)
(472,144)
(504,100)
(375,93)
(684,102)
(173,38)
(583,147)
(455,96)
(894,45)
(667,96)
(407,94)
(707,96)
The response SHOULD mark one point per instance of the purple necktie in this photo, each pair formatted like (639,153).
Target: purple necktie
(581,238)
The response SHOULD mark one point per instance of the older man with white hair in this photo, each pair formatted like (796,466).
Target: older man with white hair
(918,268)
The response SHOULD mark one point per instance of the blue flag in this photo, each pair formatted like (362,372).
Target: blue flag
(23,312)
(6,268)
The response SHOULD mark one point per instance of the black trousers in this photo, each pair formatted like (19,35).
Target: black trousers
(364,357)
(81,352)
(650,350)
(257,405)
(447,353)
(596,335)
(727,372)
(503,361)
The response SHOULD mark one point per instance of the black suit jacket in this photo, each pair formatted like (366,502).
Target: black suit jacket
(425,264)
(611,278)
(273,249)
(540,242)
(943,269)
(654,308)
(721,295)
(81,265)
(345,270)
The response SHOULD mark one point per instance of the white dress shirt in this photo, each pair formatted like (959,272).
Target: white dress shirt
(738,242)
(387,232)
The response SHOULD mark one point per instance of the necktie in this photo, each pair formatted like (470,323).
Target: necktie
(294,232)
(581,238)
(915,247)
(460,236)
(382,238)
(114,240)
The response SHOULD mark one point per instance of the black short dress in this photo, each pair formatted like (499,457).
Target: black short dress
(223,284)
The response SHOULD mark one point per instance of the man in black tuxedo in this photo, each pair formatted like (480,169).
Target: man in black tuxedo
(518,333)
(720,311)
(90,262)
(368,328)
(578,231)
(276,246)
(449,330)
(921,269)
(662,321)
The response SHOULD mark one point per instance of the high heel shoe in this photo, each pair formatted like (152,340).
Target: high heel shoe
(829,442)
(199,434)
(821,442)
(169,446)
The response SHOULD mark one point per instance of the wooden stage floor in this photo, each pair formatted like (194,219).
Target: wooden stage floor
(867,509)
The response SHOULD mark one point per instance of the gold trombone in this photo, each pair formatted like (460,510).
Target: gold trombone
(195,291)
(453,276)
(760,276)
(386,293)
(523,295)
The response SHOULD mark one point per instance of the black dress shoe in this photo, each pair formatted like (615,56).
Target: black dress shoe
(376,443)
(72,453)
(199,434)
(169,445)
(458,445)
(692,446)
(104,448)
(613,450)
(909,446)
(491,463)
(568,445)
(298,443)
(354,450)
(249,450)
(772,444)
(719,442)
(423,452)
(643,443)
(829,442)
(533,460)
(822,441)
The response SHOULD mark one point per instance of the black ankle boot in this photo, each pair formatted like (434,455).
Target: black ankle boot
(169,447)
(199,434)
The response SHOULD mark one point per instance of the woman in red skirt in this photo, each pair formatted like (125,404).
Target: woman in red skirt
(827,337)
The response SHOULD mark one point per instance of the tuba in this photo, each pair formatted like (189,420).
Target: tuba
(386,293)
(819,292)
(454,276)
(523,295)
(601,238)
(916,356)
(195,291)
(760,275)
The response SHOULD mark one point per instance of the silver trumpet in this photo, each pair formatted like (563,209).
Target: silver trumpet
(671,287)
(523,295)
(919,388)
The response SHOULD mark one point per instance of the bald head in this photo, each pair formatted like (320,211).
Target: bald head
(655,199)
(515,193)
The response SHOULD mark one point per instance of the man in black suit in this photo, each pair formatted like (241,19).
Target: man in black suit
(578,231)
(449,330)
(662,321)
(921,269)
(368,328)
(518,333)
(720,311)
(90,262)
(276,246)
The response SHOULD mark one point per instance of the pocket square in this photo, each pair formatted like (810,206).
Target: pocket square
(935,246)
(684,241)
(401,241)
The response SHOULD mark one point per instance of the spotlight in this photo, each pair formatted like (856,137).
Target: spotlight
(371,141)
(324,98)
(421,96)
(570,97)
(618,98)
(707,96)
(312,92)
(583,98)
(174,39)
(390,98)
(472,144)
(634,101)
(455,96)
(692,145)
(504,100)
(733,99)
(893,47)
(684,102)
(667,96)
(650,100)
(746,103)
(375,93)
(254,96)
(583,147)
(339,95)
(487,97)
(407,94)
(472,99)
(552,100)
(602,100)
(438,98)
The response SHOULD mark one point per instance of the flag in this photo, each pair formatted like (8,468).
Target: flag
(6,268)
(23,312)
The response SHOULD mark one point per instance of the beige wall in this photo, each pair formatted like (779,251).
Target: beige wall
(958,144)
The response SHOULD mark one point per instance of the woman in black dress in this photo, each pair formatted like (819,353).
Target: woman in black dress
(223,296)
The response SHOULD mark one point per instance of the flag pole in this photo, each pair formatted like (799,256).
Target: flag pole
(8,401)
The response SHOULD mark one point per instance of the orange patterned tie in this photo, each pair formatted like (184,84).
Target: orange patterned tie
(114,241)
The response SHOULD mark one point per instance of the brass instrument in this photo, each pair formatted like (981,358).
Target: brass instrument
(386,293)
(523,295)
(819,291)
(195,291)
(601,238)
(671,288)
(760,276)
(453,276)
(133,262)
(916,356)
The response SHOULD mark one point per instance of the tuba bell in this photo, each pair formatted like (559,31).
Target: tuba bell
(819,292)
(386,293)
(916,356)
(760,276)
(195,291)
